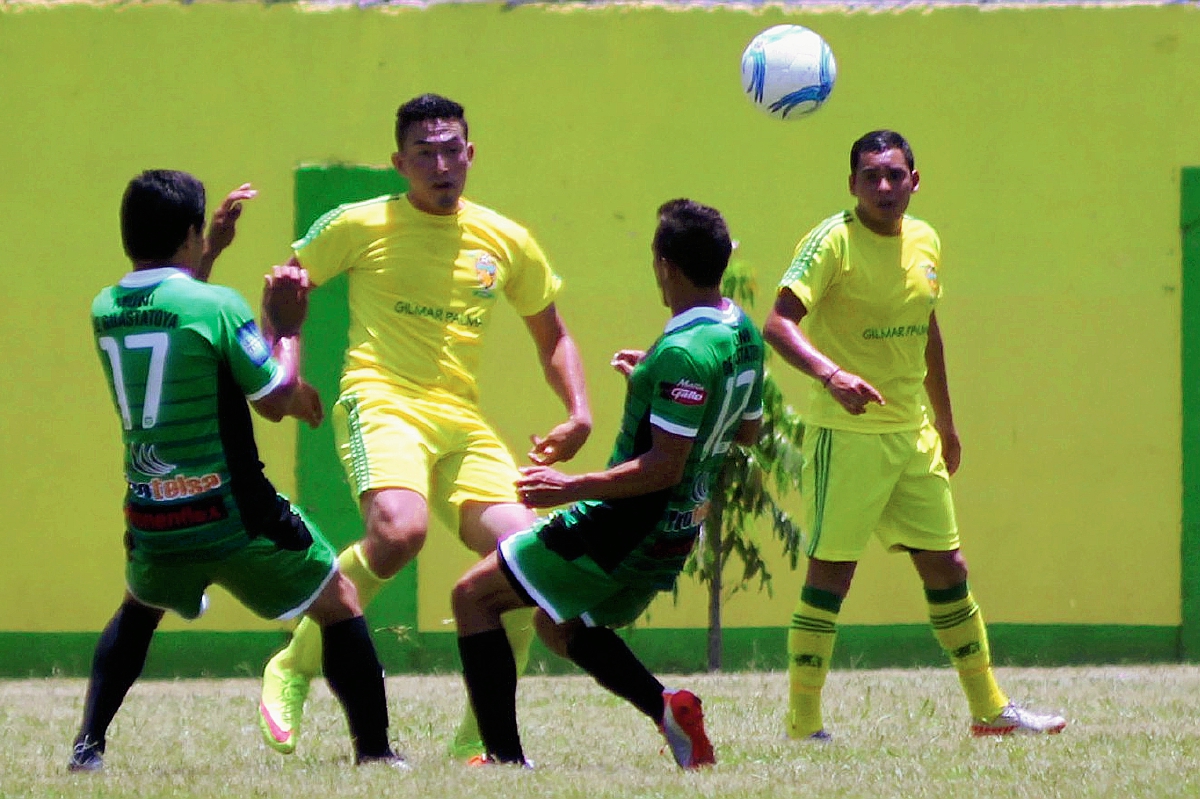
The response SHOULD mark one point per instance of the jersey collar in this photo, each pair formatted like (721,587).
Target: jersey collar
(727,314)
(149,277)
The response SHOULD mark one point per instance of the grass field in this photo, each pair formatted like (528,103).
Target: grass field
(1134,734)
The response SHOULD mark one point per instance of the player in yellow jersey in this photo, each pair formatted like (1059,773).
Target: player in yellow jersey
(426,269)
(855,311)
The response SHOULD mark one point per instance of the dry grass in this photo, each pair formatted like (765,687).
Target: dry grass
(1135,732)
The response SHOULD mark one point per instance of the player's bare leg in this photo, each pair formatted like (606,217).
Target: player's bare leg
(482,526)
(116,665)
(353,671)
(810,643)
(396,520)
(959,627)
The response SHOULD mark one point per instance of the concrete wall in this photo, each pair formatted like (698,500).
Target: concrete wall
(1050,143)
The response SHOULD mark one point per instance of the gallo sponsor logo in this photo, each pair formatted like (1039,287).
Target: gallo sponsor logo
(173,488)
(685,392)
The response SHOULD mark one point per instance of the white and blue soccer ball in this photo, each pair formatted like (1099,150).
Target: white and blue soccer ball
(788,71)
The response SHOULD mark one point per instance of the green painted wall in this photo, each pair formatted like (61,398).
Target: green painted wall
(1050,143)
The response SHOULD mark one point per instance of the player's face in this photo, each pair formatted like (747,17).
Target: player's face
(435,157)
(883,184)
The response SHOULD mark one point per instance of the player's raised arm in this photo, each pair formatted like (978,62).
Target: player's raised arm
(285,305)
(564,373)
(223,227)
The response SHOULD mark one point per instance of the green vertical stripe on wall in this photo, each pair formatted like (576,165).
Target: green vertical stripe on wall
(1189,224)
(321,482)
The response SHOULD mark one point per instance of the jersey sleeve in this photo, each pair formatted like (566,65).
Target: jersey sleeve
(242,345)
(327,249)
(814,266)
(532,284)
(681,392)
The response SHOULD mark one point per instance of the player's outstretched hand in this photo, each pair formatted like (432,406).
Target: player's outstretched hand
(560,444)
(306,405)
(224,220)
(543,487)
(285,299)
(852,392)
(624,361)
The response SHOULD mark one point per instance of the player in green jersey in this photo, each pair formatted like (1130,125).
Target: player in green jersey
(598,563)
(182,358)
(856,311)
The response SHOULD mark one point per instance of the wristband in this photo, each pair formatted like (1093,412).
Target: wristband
(830,377)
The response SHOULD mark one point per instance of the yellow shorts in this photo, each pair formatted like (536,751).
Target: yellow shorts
(894,485)
(445,452)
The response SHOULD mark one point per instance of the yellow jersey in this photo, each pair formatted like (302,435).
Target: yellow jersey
(868,299)
(422,289)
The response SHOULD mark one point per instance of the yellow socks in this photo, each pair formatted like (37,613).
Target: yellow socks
(959,628)
(303,653)
(810,647)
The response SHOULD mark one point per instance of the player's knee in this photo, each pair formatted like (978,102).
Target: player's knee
(338,601)
(556,637)
(941,569)
(396,538)
(465,596)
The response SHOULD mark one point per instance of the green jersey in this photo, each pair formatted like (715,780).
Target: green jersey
(701,379)
(181,357)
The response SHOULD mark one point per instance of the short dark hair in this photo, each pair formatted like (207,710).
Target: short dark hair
(427,106)
(880,141)
(160,206)
(695,239)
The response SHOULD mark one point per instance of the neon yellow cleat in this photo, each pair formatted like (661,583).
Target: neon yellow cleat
(467,745)
(282,706)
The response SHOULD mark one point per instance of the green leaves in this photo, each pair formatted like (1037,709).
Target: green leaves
(749,488)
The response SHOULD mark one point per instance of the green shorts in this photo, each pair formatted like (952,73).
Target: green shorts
(570,589)
(272,582)
(891,485)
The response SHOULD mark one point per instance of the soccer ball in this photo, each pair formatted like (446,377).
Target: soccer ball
(788,71)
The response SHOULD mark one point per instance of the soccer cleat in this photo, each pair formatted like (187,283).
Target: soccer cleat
(683,727)
(391,760)
(1016,720)
(282,706)
(467,745)
(481,761)
(86,756)
(818,737)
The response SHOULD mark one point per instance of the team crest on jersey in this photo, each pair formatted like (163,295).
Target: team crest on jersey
(684,392)
(932,276)
(486,269)
(253,343)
